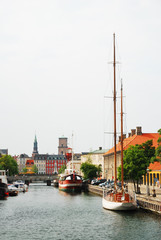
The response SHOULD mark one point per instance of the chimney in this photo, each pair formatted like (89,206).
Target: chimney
(133,132)
(100,148)
(138,131)
(129,134)
(124,136)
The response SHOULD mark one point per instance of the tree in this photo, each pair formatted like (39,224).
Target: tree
(34,169)
(62,169)
(89,170)
(24,170)
(158,149)
(9,164)
(136,161)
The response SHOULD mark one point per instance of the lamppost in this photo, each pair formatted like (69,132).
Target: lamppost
(106,173)
(147,182)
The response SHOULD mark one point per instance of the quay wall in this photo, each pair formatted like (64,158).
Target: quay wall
(95,189)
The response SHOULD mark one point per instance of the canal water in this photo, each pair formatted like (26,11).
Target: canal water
(46,213)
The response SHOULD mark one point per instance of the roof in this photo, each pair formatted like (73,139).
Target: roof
(135,139)
(155,166)
(99,151)
(23,155)
(62,137)
(29,162)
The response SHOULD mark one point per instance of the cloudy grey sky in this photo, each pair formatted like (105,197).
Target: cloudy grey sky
(54,70)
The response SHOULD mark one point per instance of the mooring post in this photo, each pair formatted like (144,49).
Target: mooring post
(48,182)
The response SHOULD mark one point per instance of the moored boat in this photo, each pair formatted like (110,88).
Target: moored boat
(70,182)
(13,191)
(118,200)
(3,185)
(21,186)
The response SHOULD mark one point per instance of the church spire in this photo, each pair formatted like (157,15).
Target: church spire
(35,149)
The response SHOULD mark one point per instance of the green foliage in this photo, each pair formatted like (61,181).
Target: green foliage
(62,169)
(159,140)
(136,161)
(34,169)
(24,170)
(89,170)
(159,131)
(158,152)
(9,164)
(158,149)
(99,169)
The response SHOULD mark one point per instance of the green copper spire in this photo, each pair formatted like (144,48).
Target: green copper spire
(35,150)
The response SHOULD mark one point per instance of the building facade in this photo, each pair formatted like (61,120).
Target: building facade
(4,151)
(135,137)
(54,163)
(40,162)
(96,157)
(21,161)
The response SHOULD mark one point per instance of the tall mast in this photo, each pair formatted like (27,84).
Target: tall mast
(72,152)
(114,100)
(122,169)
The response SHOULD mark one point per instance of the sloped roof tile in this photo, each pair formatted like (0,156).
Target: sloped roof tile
(135,139)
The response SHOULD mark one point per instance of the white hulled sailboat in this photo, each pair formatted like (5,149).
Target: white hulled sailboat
(118,199)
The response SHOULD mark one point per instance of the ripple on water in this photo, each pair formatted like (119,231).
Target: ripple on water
(45,213)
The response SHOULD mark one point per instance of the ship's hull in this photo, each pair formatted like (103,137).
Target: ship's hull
(118,206)
(70,186)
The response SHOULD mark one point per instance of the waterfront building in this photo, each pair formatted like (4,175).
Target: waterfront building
(63,145)
(21,161)
(153,176)
(54,163)
(29,165)
(135,137)
(76,165)
(95,157)
(3,151)
(40,162)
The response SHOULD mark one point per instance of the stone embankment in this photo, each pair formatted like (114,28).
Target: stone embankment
(149,203)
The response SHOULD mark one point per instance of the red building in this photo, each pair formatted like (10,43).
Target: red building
(54,163)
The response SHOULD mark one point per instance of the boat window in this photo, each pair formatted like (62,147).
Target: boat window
(68,178)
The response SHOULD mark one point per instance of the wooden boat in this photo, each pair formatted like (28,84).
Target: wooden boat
(70,182)
(118,200)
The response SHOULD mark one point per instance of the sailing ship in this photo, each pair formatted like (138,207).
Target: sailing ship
(118,199)
(70,181)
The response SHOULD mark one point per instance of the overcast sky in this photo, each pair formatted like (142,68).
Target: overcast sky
(54,70)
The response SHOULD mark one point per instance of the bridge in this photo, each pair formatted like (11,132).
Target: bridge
(33,178)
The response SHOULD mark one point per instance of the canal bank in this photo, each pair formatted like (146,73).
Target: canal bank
(149,203)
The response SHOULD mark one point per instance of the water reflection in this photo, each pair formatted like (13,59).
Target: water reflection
(63,193)
(46,213)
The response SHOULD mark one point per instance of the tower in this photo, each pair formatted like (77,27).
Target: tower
(35,149)
(62,148)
